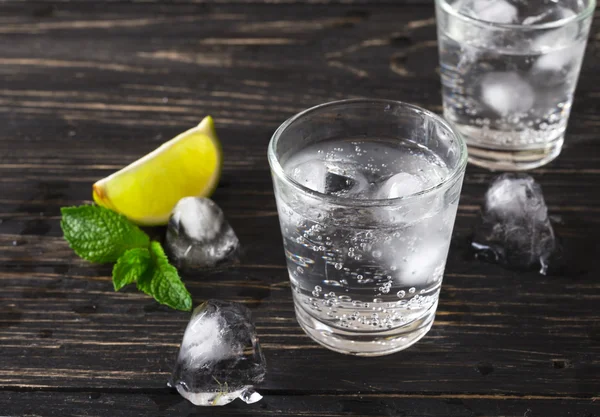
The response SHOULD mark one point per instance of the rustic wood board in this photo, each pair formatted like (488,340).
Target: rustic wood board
(86,88)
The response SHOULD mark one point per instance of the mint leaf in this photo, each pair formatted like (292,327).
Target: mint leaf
(163,282)
(130,267)
(100,235)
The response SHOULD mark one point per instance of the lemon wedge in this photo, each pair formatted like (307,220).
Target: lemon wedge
(147,190)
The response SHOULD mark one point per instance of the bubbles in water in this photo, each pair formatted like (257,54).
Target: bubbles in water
(337,270)
(401,294)
(412,290)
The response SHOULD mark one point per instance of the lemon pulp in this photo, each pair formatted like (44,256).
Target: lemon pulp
(147,190)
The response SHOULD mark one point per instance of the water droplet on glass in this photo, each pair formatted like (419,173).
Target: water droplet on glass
(412,290)
(401,294)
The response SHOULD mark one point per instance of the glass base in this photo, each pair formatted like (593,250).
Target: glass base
(512,159)
(365,343)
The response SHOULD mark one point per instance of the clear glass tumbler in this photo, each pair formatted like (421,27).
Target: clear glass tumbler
(509,70)
(367,193)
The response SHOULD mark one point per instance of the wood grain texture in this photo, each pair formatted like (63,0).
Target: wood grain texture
(165,403)
(86,88)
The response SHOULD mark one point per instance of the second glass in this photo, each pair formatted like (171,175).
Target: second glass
(509,71)
(367,193)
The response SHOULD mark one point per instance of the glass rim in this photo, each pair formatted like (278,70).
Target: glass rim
(582,15)
(278,170)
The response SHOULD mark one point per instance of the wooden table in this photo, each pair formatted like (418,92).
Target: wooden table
(88,87)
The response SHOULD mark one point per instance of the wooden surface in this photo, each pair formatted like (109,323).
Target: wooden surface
(86,88)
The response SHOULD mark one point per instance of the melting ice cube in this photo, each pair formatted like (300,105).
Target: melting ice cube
(559,61)
(198,234)
(311,174)
(425,264)
(330,178)
(220,358)
(400,185)
(507,93)
(495,11)
(515,229)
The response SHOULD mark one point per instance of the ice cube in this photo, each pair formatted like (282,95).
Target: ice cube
(507,93)
(495,11)
(220,358)
(198,234)
(514,228)
(559,61)
(311,174)
(330,178)
(425,264)
(417,255)
(557,45)
(399,185)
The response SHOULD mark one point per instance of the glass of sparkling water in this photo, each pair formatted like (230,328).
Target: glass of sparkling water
(509,70)
(367,193)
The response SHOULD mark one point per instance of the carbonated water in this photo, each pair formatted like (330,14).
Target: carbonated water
(381,272)
(510,89)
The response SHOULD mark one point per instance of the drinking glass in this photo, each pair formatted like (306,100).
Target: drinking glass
(367,193)
(509,70)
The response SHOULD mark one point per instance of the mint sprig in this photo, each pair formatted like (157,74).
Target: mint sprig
(130,267)
(101,235)
(163,282)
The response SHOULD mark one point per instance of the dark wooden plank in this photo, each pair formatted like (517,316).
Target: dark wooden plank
(87,88)
(494,331)
(164,403)
(46,8)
